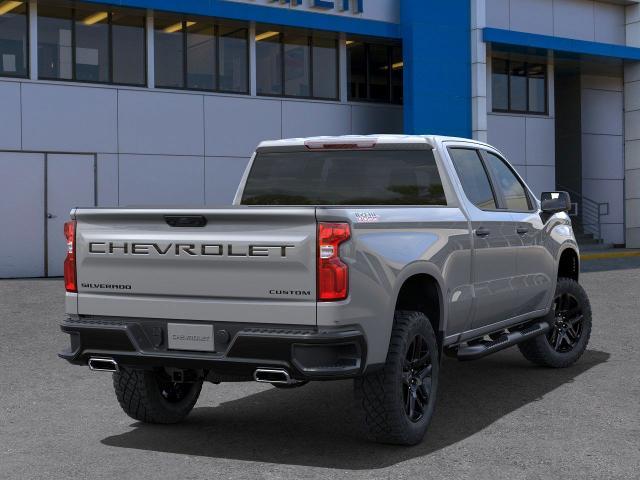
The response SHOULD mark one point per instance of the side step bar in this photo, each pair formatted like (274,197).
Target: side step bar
(506,340)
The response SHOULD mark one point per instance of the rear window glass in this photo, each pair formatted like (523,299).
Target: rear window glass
(370,177)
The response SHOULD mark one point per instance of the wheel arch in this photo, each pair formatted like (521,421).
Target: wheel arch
(569,263)
(419,288)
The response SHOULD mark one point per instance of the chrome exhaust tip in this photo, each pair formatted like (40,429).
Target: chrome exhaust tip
(103,364)
(272,375)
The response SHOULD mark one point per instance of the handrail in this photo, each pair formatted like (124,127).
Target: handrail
(588,212)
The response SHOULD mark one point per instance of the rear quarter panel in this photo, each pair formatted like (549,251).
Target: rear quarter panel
(387,246)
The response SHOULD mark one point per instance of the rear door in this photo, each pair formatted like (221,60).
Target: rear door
(494,257)
(236,264)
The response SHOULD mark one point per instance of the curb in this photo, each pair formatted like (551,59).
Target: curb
(606,255)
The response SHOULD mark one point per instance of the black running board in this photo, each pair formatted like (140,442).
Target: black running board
(506,340)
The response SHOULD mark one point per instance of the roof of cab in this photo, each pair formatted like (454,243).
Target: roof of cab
(377,139)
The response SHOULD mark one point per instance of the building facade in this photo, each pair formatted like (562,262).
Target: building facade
(161,102)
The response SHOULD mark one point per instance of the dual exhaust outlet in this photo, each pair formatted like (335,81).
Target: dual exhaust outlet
(103,364)
(261,375)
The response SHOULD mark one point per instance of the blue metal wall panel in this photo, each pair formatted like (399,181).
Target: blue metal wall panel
(437,66)
(263,14)
(559,44)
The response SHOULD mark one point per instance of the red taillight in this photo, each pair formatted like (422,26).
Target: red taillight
(333,274)
(70,260)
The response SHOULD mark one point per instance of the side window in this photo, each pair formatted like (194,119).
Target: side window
(513,191)
(473,177)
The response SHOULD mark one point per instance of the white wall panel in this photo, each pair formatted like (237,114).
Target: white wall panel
(573,19)
(534,16)
(107,179)
(633,214)
(22,214)
(507,134)
(632,183)
(540,141)
(602,112)
(222,176)
(613,232)
(234,126)
(609,23)
(541,179)
(498,14)
(10,116)
(161,180)
(367,120)
(632,154)
(160,123)
(602,82)
(306,119)
(69,118)
(609,191)
(602,157)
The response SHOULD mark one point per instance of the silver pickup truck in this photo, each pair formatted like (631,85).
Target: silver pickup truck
(342,257)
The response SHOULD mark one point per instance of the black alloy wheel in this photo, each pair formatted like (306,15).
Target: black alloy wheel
(416,379)
(566,330)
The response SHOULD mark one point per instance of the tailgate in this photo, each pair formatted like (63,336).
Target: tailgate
(252,265)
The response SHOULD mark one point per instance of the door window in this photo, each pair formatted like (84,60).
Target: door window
(513,192)
(473,177)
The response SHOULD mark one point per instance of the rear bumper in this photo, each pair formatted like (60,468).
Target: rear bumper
(306,353)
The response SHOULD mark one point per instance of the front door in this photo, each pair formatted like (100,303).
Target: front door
(535,264)
(70,183)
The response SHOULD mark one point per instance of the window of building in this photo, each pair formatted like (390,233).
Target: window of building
(294,63)
(200,54)
(473,177)
(90,44)
(375,72)
(14,39)
(519,87)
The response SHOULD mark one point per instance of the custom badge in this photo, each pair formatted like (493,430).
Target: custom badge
(367,217)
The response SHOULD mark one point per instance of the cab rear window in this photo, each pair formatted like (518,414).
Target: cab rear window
(344,177)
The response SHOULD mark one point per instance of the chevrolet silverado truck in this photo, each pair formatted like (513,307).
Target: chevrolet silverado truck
(366,258)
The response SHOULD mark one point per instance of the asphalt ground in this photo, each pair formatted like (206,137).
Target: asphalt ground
(496,418)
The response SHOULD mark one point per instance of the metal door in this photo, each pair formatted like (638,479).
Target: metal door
(70,181)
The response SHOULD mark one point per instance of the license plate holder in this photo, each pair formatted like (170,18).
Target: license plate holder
(189,336)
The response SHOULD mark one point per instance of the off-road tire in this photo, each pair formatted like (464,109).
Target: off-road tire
(540,351)
(381,395)
(141,395)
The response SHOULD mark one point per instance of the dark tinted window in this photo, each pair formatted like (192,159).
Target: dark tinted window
(201,56)
(269,62)
(473,178)
(233,58)
(512,190)
(92,45)
(128,44)
(169,51)
(55,26)
(375,71)
(518,86)
(344,178)
(14,46)
(500,84)
(325,68)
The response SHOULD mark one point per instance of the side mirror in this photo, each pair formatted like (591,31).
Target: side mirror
(555,202)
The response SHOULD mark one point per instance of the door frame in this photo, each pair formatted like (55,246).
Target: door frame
(45,186)
(46,196)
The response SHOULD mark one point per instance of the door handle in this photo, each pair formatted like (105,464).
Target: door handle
(483,232)
(51,215)
(522,230)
